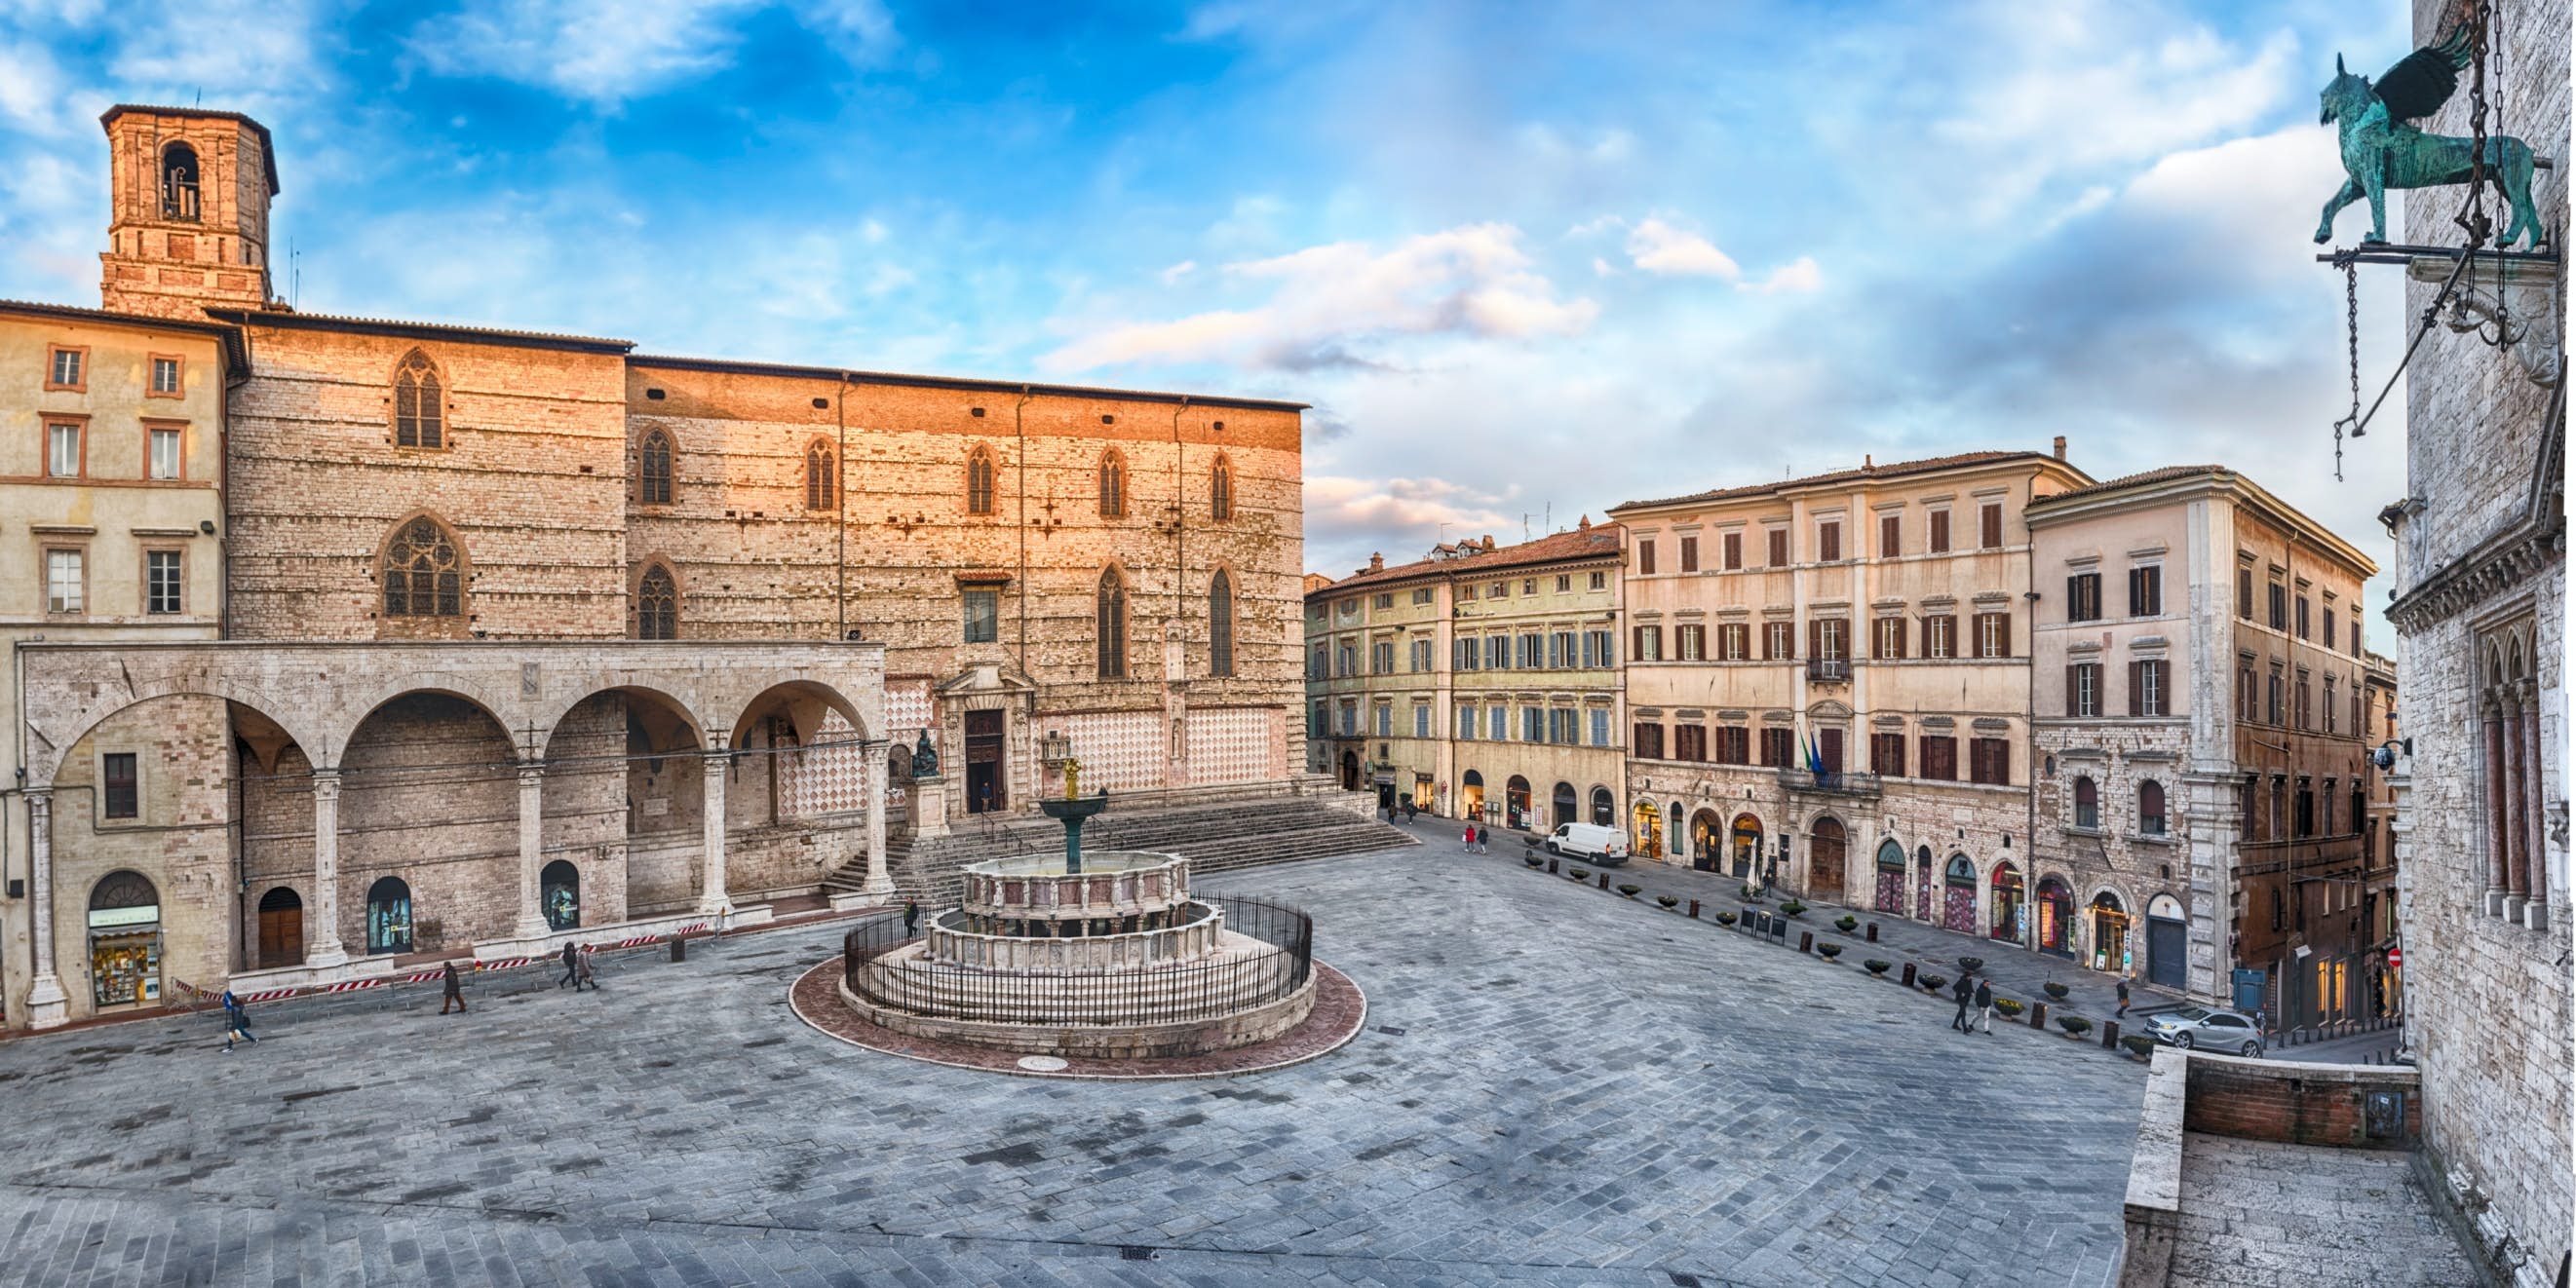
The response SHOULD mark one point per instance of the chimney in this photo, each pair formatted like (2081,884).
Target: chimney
(1489,541)
(1583,524)
(1866,463)
(2061,447)
(1377,562)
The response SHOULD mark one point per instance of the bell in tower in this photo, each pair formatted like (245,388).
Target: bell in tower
(188,222)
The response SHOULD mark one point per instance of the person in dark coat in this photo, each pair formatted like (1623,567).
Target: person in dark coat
(911,916)
(2123,1012)
(1961,991)
(571,955)
(455,992)
(236,1022)
(581,972)
(1986,1005)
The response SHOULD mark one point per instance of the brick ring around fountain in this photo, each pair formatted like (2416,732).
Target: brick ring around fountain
(1088,966)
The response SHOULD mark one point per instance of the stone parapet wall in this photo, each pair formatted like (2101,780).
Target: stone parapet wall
(1117,1042)
(1133,884)
(1084,954)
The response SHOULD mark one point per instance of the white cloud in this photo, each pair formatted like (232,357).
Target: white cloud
(1471,281)
(607,51)
(1178,271)
(1800,274)
(31,88)
(1660,248)
(247,55)
(1398,509)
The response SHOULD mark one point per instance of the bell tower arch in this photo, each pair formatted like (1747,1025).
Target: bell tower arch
(189,192)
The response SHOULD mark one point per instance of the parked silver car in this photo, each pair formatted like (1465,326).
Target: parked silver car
(2212,1030)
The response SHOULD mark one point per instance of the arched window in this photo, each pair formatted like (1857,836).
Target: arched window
(1221,491)
(2151,808)
(420,405)
(2088,802)
(657,605)
(1111,628)
(1221,625)
(1603,812)
(423,573)
(979,482)
(820,481)
(561,897)
(653,469)
(1113,485)
(389,916)
(179,182)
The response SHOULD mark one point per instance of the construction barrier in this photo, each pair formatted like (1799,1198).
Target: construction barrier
(426,976)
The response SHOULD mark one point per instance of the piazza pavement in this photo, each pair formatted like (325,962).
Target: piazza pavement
(1555,1086)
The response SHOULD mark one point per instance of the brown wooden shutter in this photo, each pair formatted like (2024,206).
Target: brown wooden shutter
(2073,708)
(1900,637)
(1815,637)
(2137,695)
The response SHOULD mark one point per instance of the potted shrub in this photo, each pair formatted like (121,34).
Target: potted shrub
(1846,923)
(2007,1008)
(2076,1026)
(1877,967)
(1971,965)
(1578,874)
(1532,860)
(1751,893)
(1794,908)
(1668,900)
(1726,919)
(1630,891)
(2056,990)
(1931,983)
(1829,951)
(2140,1045)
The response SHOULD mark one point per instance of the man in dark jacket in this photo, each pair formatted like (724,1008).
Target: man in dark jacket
(911,917)
(455,994)
(571,955)
(1961,992)
(1986,1006)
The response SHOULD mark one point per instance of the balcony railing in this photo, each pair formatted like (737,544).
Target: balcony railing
(1833,782)
(1832,669)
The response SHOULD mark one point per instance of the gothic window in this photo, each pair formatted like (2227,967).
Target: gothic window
(420,404)
(2088,803)
(820,483)
(1221,491)
(1113,486)
(1111,625)
(423,573)
(979,482)
(653,469)
(2151,808)
(179,182)
(657,605)
(1221,625)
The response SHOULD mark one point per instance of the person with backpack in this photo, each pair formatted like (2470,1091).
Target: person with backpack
(1961,992)
(571,956)
(236,1022)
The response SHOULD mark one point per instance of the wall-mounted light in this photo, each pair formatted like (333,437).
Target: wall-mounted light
(2384,758)
(206,526)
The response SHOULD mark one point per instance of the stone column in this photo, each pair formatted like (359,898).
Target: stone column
(2533,811)
(872,758)
(2497,816)
(2515,839)
(712,898)
(532,850)
(326,949)
(46,1003)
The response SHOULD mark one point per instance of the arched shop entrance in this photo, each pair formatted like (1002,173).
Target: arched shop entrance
(1605,811)
(1891,878)
(281,929)
(389,916)
(2056,916)
(1471,796)
(1648,827)
(559,893)
(124,941)
(1744,852)
(1516,803)
(1825,860)
(2004,904)
(1562,803)
(1959,895)
(2110,934)
(1707,841)
(2167,942)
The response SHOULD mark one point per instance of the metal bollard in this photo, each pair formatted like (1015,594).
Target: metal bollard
(1806,941)
(2110,1035)
(679,948)
(1909,973)
(2038,1014)
(1551,867)
(1873,932)
(1694,909)
(1605,880)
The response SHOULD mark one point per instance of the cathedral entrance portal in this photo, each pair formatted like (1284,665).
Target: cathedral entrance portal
(985,789)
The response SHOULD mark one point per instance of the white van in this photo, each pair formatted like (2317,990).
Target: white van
(1605,845)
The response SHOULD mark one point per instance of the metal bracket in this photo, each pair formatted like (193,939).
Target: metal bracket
(2510,303)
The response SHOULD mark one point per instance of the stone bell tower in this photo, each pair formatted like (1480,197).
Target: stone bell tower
(188,221)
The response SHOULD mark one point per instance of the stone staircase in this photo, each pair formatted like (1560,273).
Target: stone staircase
(1215,838)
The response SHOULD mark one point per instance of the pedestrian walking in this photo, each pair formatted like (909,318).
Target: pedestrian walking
(723,911)
(2123,1012)
(1484,839)
(581,964)
(1986,1006)
(236,1022)
(1961,992)
(571,955)
(455,993)
(911,915)
(1467,840)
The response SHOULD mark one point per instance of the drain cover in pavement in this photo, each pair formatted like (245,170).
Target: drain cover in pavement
(1042,1064)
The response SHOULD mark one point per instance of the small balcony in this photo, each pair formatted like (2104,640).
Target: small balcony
(1829,670)
(1832,782)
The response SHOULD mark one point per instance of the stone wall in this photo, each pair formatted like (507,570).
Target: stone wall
(2480,543)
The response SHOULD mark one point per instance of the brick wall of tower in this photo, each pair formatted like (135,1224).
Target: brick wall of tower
(172,266)
(530,481)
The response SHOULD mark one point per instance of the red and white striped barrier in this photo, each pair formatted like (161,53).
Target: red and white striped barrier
(423,977)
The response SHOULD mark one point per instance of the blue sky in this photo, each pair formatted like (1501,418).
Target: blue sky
(1527,261)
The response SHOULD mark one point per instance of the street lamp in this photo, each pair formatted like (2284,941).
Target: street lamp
(2383,758)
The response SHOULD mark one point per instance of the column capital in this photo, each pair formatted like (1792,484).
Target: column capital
(531,771)
(326,784)
(39,797)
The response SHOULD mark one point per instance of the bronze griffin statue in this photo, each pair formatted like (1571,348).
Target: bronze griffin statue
(2383,149)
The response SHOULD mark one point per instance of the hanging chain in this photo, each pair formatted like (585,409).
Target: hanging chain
(2472,218)
(2352,355)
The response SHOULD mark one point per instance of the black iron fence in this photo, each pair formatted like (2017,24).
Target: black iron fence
(1281,965)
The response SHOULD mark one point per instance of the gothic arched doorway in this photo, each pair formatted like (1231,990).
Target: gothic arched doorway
(1708,847)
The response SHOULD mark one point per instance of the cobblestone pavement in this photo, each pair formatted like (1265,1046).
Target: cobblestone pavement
(1556,1087)
(2262,1214)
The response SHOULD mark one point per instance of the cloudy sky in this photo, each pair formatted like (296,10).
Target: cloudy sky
(1526,260)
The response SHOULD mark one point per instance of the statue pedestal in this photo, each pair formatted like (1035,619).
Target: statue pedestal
(930,806)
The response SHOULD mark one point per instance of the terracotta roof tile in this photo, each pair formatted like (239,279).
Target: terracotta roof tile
(1893,470)
(2160,475)
(1601,540)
